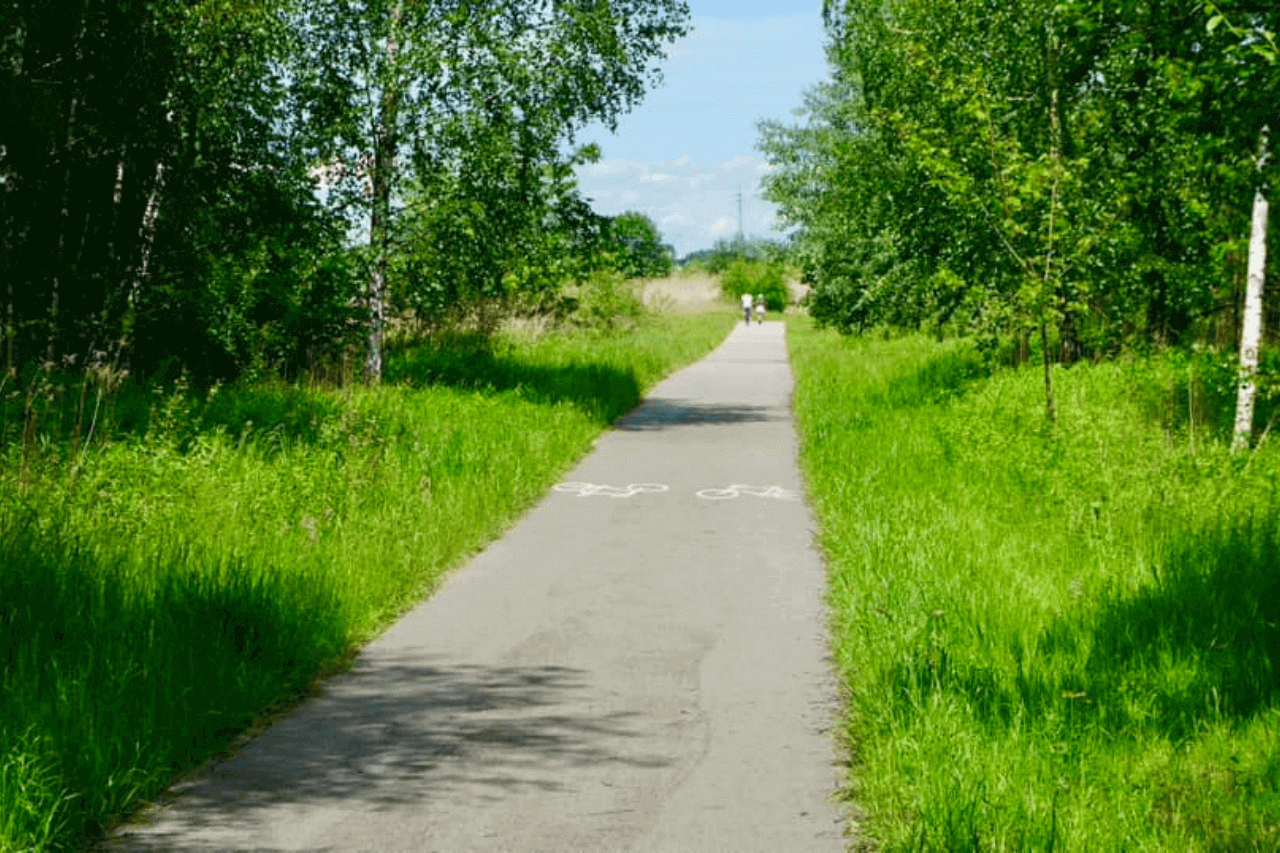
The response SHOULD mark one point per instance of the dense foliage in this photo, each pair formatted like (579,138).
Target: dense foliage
(636,246)
(1084,169)
(185,182)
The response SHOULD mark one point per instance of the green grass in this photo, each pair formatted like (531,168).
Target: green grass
(1051,640)
(163,589)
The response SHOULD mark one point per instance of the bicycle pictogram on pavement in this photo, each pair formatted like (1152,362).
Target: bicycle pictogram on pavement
(587,490)
(738,490)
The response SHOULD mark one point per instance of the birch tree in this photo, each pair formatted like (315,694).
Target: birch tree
(131,131)
(1251,327)
(1068,172)
(408,86)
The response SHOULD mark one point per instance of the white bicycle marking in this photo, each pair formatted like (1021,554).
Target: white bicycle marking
(586,490)
(737,490)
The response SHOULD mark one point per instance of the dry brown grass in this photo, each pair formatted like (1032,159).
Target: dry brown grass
(696,293)
(683,293)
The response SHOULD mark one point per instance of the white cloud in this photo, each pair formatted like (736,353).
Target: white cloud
(680,156)
(739,161)
(694,204)
(608,168)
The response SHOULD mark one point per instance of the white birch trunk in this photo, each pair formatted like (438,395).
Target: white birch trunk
(1251,333)
(384,156)
(147,231)
(116,196)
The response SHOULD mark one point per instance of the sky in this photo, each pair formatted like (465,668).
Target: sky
(683,155)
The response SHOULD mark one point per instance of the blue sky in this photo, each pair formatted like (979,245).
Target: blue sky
(682,155)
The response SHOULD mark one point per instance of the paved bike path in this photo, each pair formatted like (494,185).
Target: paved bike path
(629,668)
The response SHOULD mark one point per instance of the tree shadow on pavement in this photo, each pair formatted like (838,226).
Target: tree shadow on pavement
(403,731)
(663,413)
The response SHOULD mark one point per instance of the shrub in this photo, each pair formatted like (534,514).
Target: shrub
(606,301)
(756,277)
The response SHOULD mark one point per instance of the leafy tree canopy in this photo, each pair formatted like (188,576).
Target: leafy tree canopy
(159,166)
(1083,169)
(637,247)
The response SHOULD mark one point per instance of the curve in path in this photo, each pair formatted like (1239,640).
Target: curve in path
(647,673)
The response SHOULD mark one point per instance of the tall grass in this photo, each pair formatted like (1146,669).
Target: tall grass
(162,590)
(1051,640)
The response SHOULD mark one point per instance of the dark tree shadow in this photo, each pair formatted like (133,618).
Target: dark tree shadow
(944,376)
(408,730)
(659,413)
(1200,642)
(69,406)
(603,391)
(1204,638)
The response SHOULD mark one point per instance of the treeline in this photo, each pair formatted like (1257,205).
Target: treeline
(226,186)
(725,252)
(1078,174)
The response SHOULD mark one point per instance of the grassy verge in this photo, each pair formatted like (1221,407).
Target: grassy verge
(162,589)
(1051,640)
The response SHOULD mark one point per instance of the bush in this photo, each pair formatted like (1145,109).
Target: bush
(606,301)
(756,277)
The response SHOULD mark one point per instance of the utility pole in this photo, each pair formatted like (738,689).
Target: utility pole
(741,236)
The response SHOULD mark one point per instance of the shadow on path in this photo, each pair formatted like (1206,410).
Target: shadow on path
(406,731)
(661,413)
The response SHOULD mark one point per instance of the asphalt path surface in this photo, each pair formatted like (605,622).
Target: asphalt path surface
(639,664)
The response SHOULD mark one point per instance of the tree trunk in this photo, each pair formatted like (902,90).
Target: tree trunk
(117,196)
(1050,401)
(64,216)
(1050,282)
(7,266)
(1251,333)
(384,157)
(147,232)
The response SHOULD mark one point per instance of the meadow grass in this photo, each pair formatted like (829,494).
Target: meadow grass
(163,588)
(1058,639)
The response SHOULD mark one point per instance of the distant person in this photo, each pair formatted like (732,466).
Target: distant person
(746,308)
(760,308)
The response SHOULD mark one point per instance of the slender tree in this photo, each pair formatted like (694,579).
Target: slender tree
(1251,327)
(385,148)
(146,154)
(408,88)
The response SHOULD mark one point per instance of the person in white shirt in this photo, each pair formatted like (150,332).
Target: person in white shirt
(760,308)
(746,307)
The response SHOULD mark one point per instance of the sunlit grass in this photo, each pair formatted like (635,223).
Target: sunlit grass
(1056,639)
(161,590)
